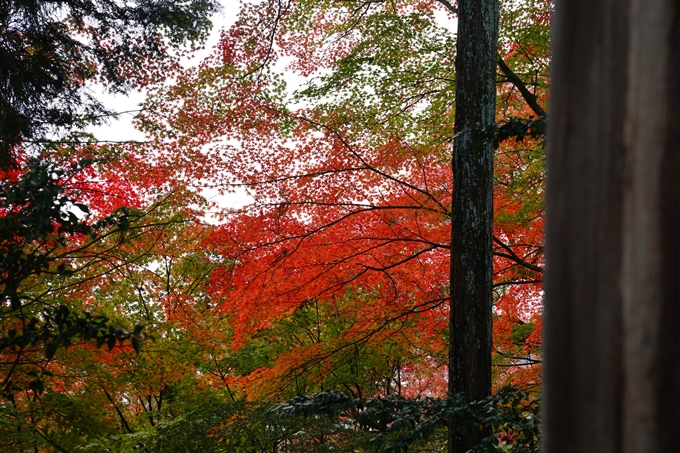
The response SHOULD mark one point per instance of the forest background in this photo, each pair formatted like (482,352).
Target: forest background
(140,316)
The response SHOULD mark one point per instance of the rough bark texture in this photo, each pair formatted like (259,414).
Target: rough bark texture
(612,308)
(471,253)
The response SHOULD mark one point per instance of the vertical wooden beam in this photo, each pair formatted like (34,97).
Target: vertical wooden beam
(612,308)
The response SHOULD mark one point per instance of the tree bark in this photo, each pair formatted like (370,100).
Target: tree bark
(612,305)
(471,249)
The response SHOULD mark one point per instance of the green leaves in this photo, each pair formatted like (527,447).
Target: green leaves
(331,403)
(397,423)
(397,79)
(37,214)
(59,327)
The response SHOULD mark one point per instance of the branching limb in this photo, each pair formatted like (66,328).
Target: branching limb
(448,6)
(511,255)
(528,96)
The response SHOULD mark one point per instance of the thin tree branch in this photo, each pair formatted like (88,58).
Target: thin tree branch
(120,414)
(448,6)
(511,255)
(523,282)
(528,96)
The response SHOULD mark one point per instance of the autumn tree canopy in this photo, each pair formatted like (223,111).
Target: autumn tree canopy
(333,275)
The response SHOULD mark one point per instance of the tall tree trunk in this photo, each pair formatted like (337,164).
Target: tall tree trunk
(612,306)
(471,253)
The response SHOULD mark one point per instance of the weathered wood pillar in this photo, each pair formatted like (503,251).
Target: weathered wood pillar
(612,304)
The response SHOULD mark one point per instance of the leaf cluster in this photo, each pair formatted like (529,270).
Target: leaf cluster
(37,215)
(42,222)
(397,79)
(59,326)
(511,416)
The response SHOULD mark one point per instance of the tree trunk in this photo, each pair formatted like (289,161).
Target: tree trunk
(471,253)
(612,306)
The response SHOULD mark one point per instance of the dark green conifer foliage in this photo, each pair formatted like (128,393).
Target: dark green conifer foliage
(50,50)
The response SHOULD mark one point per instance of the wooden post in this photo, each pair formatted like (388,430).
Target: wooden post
(612,304)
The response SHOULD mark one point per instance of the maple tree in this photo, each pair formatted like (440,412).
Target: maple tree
(50,51)
(349,179)
(125,278)
(73,212)
(333,276)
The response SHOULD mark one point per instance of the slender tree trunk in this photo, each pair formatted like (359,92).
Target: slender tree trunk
(471,253)
(612,308)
